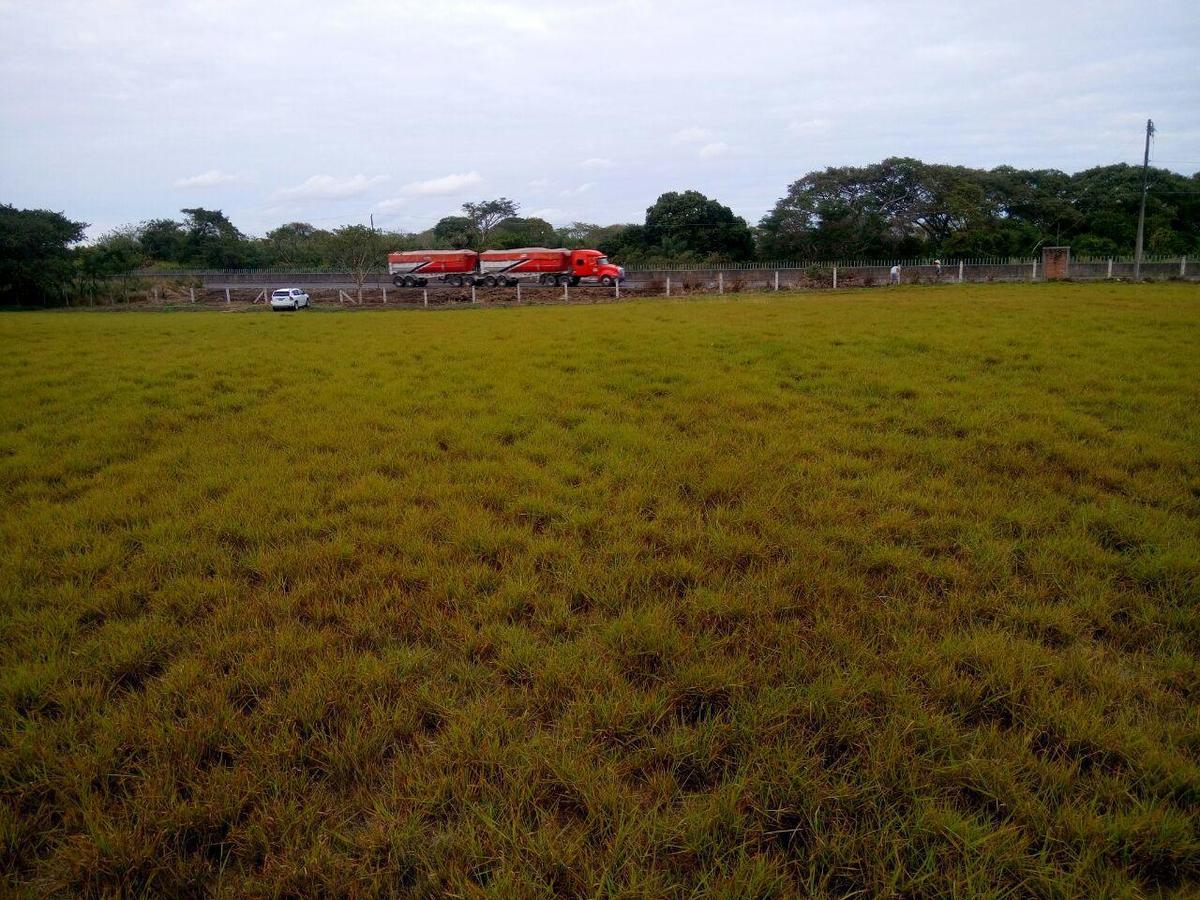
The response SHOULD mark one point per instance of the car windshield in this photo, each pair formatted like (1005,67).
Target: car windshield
(602,261)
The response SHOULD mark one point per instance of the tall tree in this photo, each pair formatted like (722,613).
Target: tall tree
(486,214)
(689,223)
(456,233)
(518,232)
(294,244)
(35,253)
(359,251)
(210,239)
(162,240)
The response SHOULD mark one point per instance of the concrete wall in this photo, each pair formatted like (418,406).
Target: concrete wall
(730,280)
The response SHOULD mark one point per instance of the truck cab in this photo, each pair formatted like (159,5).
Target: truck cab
(594,264)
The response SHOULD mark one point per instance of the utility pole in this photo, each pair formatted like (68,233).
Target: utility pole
(372,221)
(1137,253)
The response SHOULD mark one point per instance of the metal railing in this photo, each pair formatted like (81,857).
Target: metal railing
(783,265)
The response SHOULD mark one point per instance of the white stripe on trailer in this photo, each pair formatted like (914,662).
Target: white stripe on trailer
(497,266)
(399,268)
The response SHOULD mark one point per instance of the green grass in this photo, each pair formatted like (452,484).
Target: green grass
(865,593)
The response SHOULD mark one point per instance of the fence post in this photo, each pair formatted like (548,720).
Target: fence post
(425,296)
(776,281)
(227,300)
(720,282)
(518,293)
(1110,267)
(472,292)
(384,289)
(192,291)
(960,271)
(617,287)
(668,285)
(567,291)
(835,278)
(1033,277)
(1182,266)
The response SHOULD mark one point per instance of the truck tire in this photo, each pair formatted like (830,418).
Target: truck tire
(575,279)
(489,281)
(455,280)
(398,281)
(606,280)
(422,282)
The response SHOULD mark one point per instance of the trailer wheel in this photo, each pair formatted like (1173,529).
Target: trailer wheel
(421,282)
(398,281)
(489,281)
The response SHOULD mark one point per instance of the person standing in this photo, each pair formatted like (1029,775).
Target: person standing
(894,277)
(937,270)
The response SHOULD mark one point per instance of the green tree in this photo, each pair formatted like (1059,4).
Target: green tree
(210,239)
(358,251)
(595,237)
(906,207)
(690,224)
(296,244)
(1108,198)
(162,240)
(114,253)
(518,232)
(35,253)
(487,214)
(456,233)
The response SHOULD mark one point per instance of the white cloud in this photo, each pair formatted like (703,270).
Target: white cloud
(211,178)
(513,18)
(809,127)
(390,205)
(551,214)
(693,135)
(328,187)
(576,191)
(949,93)
(597,162)
(713,150)
(447,184)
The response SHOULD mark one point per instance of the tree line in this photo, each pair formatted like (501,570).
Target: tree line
(897,208)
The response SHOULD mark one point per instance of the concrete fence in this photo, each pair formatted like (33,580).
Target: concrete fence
(228,285)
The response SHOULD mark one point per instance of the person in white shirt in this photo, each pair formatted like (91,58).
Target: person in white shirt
(895,275)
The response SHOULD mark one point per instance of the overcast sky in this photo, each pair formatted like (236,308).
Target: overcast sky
(116,111)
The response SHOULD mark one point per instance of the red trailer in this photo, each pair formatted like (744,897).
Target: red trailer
(412,268)
(548,266)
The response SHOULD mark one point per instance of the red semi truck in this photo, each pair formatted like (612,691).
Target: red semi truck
(414,268)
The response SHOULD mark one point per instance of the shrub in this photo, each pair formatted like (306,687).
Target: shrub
(819,276)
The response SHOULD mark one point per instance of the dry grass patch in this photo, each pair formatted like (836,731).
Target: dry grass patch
(866,593)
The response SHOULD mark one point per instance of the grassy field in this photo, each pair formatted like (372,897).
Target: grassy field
(872,593)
